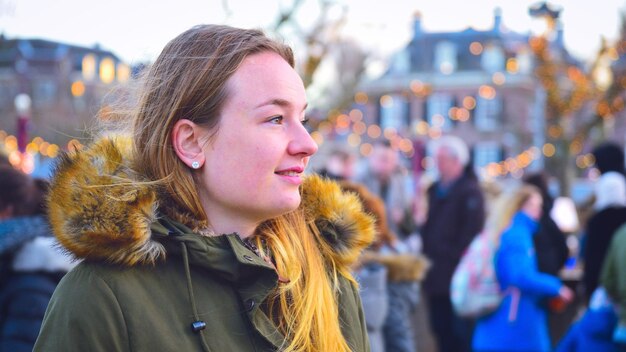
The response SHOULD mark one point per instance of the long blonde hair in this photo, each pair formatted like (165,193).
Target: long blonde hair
(188,80)
(505,207)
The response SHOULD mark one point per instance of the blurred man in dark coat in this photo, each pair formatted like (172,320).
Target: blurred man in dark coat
(456,213)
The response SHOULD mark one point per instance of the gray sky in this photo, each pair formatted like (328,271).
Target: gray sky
(136,30)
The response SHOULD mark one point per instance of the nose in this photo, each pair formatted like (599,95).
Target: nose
(301,142)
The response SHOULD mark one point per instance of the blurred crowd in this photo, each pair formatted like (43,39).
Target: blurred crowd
(561,289)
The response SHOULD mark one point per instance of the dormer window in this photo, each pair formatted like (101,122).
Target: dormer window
(493,59)
(445,57)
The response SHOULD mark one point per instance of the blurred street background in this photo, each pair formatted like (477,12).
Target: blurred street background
(529,86)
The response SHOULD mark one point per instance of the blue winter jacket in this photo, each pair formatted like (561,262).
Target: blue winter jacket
(519,324)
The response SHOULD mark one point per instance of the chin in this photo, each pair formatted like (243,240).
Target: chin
(290,203)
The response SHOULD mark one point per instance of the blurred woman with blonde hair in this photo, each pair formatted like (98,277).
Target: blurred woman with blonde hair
(519,324)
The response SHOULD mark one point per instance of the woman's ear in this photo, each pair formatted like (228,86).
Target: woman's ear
(187,143)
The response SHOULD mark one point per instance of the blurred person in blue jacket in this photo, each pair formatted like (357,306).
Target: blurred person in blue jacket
(32,265)
(594,330)
(519,323)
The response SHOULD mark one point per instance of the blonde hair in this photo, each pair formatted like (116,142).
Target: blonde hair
(189,80)
(505,207)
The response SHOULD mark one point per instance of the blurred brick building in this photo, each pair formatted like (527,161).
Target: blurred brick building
(476,84)
(66,85)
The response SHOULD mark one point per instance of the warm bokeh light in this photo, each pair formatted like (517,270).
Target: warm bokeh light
(487,92)
(43,148)
(386,101)
(417,86)
(354,140)
(421,127)
(123,72)
(549,150)
(435,133)
(89,67)
(10,144)
(74,145)
(406,145)
(390,132)
(463,115)
(317,137)
(498,78)
(469,102)
(360,98)
(438,120)
(359,127)
(366,149)
(555,131)
(107,70)
(374,131)
(53,150)
(343,121)
(356,115)
(576,147)
(325,127)
(78,89)
(452,113)
(476,48)
(512,66)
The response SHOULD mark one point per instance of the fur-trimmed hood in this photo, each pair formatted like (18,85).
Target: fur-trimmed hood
(401,267)
(101,210)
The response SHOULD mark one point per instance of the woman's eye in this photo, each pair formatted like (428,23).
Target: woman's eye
(305,121)
(276,119)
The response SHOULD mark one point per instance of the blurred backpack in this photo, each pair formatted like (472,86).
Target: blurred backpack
(474,289)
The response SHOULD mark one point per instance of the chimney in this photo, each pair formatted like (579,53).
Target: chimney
(497,19)
(417,24)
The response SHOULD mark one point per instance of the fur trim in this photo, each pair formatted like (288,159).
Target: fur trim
(339,218)
(100,210)
(400,267)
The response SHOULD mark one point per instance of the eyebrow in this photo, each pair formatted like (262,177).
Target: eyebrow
(279,102)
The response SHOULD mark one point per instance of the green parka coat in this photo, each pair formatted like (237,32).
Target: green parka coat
(149,283)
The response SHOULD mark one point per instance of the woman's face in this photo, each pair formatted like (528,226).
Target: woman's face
(533,206)
(254,164)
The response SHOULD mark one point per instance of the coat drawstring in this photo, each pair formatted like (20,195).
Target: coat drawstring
(198,325)
(514,305)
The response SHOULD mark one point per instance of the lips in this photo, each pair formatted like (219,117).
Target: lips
(292,171)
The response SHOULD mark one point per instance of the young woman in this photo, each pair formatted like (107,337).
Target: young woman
(201,233)
(519,323)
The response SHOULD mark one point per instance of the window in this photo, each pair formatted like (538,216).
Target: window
(44,91)
(487,113)
(493,59)
(485,153)
(393,111)
(438,107)
(525,62)
(445,57)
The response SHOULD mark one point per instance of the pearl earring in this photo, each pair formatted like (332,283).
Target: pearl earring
(195,165)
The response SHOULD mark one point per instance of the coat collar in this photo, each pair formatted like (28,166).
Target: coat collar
(101,210)
(523,219)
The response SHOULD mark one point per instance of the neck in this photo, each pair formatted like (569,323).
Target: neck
(223,223)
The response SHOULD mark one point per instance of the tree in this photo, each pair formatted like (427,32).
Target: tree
(330,64)
(577,101)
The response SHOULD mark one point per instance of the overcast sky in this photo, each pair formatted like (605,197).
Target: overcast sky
(136,30)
